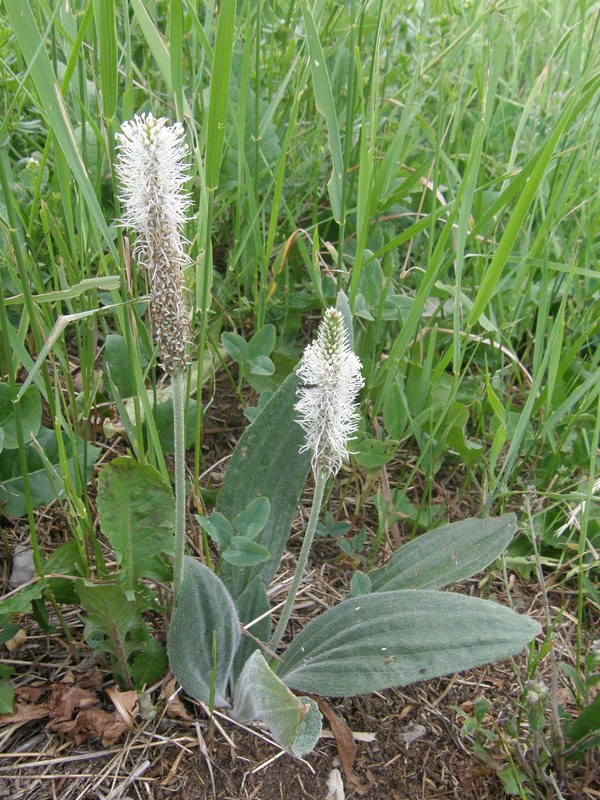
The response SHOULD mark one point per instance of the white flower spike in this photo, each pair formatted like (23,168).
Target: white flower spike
(151,169)
(330,378)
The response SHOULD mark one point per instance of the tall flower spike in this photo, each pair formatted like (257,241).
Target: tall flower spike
(152,174)
(330,378)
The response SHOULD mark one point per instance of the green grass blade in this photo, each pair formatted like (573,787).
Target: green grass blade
(219,92)
(44,79)
(464,215)
(326,106)
(154,40)
(528,189)
(106,30)
(176,42)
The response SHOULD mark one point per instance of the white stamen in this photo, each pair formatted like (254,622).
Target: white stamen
(330,375)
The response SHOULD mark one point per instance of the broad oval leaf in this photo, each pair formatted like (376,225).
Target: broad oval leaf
(31,415)
(205,611)
(250,522)
(388,639)
(44,469)
(218,528)
(294,722)
(137,516)
(262,365)
(263,342)
(243,552)
(266,463)
(446,555)
(253,604)
(236,346)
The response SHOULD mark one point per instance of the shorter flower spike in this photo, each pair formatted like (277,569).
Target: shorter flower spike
(330,378)
(151,169)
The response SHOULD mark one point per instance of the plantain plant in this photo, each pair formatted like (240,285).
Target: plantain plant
(395,628)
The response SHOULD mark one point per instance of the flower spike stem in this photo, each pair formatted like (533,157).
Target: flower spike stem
(151,156)
(320,481)
(178,384)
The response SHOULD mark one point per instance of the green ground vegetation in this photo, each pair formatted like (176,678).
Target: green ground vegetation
(436,161)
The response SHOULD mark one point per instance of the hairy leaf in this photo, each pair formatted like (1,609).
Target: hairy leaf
(266,463)
(251,604)
(294,722)
(137,516)
(390,639)
(205,610)
(445,555)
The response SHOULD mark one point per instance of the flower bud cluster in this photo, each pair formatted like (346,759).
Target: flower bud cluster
(330,378)
(151,169)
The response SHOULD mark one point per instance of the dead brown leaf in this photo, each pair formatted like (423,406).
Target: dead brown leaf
(73,710)
(92,679)
(91,723)
(126,703)
(174,707)
(32,694)
(17,641)
(346,747)
(67,698)
(77,716)
(27,706)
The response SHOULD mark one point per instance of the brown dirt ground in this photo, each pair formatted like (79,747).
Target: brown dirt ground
(179,756)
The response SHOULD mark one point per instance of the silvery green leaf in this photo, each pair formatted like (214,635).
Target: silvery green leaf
(205,611)
(310,728)
(294,722)
(262,343)
(446,555)
(242,552)
(262,365)
(360,584)
(343,306)
(236,346)
(252,604)
(388,639)
(253,518)
(267,463)
(218,528)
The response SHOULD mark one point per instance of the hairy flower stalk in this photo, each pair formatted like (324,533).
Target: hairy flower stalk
(330,378)
(151,169)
